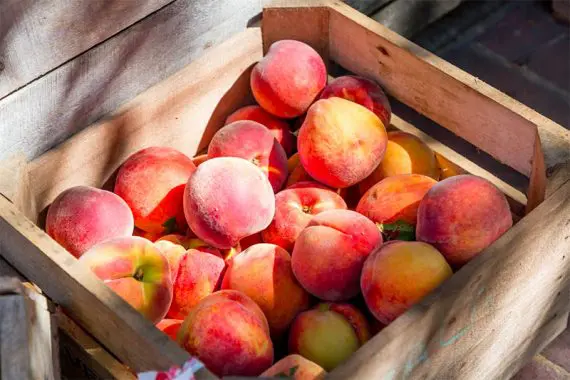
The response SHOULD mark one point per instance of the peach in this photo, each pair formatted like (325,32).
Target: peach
(147,235)
(362,91)
(225,184)
(340,142)
(263,272)
(278,128)
(170,327)
(447,168)
(250,240)
(292,163)
(295,367)
(82,216)
(199,159)
(294,208)
(136,270)
(252,141)
(288,78)
(172,252)
(399,275)
(328,334)
(329,253)
(198,274)
(405,154)
(393,204)
(461,216)
(178,239)
(152,182)
(298,174)
(228,333)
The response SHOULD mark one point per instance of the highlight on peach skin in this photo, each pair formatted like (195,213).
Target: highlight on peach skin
(262,149)
(152,182)
(222,184)
(286,87)
(341,142)
(83,216)
(329,253)
(461,216)
(400,274)
(328,334)
(136,270)
(295,367)
(229,334)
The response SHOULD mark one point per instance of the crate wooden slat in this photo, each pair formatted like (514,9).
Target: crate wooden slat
(185,110)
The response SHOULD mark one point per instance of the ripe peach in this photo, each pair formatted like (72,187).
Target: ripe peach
(405,154)
(340,142)
(252,141)
(136,270)
(395,199)
(82,216)
(173,252)
(294,208)
(278,128)
(226,184)
(199,159)
(292,163)
(147,235)
(447,168)
(152,182)
(250,240)
(328,334)
(461,216)
(170,327)
(288,78)
(263,272)
(295,367)
(329,253)
(362,91)
(228,333)
(198,275)
(400,274)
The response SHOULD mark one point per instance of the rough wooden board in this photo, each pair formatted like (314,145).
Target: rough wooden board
(37,36)
(61,103)
(478,313)
(14,351)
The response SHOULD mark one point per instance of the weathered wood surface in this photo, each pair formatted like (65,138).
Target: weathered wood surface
(38,35)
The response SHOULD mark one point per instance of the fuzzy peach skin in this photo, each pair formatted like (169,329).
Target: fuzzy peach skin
(399,275)
(263,272)
(295,367)
(329,253)
(170,327)
(199,159)
(294,208)
(288,78)
(395,198)
(136,270)
(152,182)
(173,252)
(198,274)
(278,128)
(228,333)
(340,142)
(461,216)
(82,216)
(328,334)
(405,154)
(226,184)
(252,141)
(362,91)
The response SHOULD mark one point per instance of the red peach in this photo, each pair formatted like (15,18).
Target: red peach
(399,275)
(296,367)
(461,216)
(252,141)
(362,91)
(152,182)
(329,253)
(170,327)
(228,333)
(294,208)
(227,199)
(278,128)
(147,235)
(250,240)
(340,142)
(292,163)
(83,216)
(136,270)
(288,78)
(173,252)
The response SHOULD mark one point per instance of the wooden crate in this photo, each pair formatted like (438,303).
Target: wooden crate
(485,322)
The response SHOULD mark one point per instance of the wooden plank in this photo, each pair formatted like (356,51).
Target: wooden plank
(37,36)
(479,313)
(66,100)
(14,354)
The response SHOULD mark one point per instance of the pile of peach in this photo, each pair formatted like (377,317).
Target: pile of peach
(283,244)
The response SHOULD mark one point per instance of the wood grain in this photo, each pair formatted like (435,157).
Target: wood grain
(37,36)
